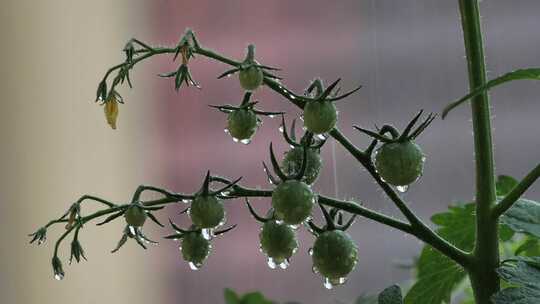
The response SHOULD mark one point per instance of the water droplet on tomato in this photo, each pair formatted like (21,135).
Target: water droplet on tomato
(271,263)
(195,266)
(207,233)
(328,284)
(402,189)
(284,265)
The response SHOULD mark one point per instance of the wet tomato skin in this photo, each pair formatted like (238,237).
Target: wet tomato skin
(320,117)
(293,201)
(399,163)
(242,123)
(251,78)
(334,254)
(135,216)
(207,211)
(278,241)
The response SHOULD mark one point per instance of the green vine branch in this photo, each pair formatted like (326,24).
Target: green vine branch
(137,211)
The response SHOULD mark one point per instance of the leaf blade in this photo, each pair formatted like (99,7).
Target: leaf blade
(521,74)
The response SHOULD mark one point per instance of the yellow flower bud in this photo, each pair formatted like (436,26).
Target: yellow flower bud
(111,111)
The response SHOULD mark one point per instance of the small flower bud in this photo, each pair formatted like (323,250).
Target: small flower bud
(57,268)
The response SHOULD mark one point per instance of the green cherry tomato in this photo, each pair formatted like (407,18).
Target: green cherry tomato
(207,211)
(278,241)
(251,78)
(292,201)
(334,254)
(135,216)
(320,117)
(242,124)
(399,163)
(293,162)
(195,248)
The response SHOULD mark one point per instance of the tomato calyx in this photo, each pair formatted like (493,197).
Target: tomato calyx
(180,232)
(333,221)
(408,133)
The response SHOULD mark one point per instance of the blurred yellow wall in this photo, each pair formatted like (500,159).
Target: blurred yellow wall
(56,146)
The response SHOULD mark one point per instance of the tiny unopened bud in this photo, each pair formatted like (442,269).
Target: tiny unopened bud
(111,111)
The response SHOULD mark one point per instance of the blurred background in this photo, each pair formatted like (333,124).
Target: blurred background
(56,146)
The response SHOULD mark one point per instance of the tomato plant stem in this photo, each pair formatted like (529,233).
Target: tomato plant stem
(484,280)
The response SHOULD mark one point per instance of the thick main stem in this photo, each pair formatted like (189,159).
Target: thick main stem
(484,280)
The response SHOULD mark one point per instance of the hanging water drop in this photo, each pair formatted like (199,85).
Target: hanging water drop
(271,115)
(338,281)
(186,200)
(271,263)
(225,193)
(245,141)
(310,252)
(283,265)
(402,189)
(315,270)
(281,129)
(328,283)
(294,227)
(195,266)
(226,131)
(132,230)
(321,136)
(235,139)
(59,276)
(207,233)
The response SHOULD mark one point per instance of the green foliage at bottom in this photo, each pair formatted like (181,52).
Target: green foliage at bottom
(524,274)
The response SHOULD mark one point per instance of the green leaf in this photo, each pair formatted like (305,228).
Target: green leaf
(391,295)
(255,298)
(231,297)
(529,248)
(505,184)
(524,217)
(523,273)
(366,299)
(531,73)
(438,275)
